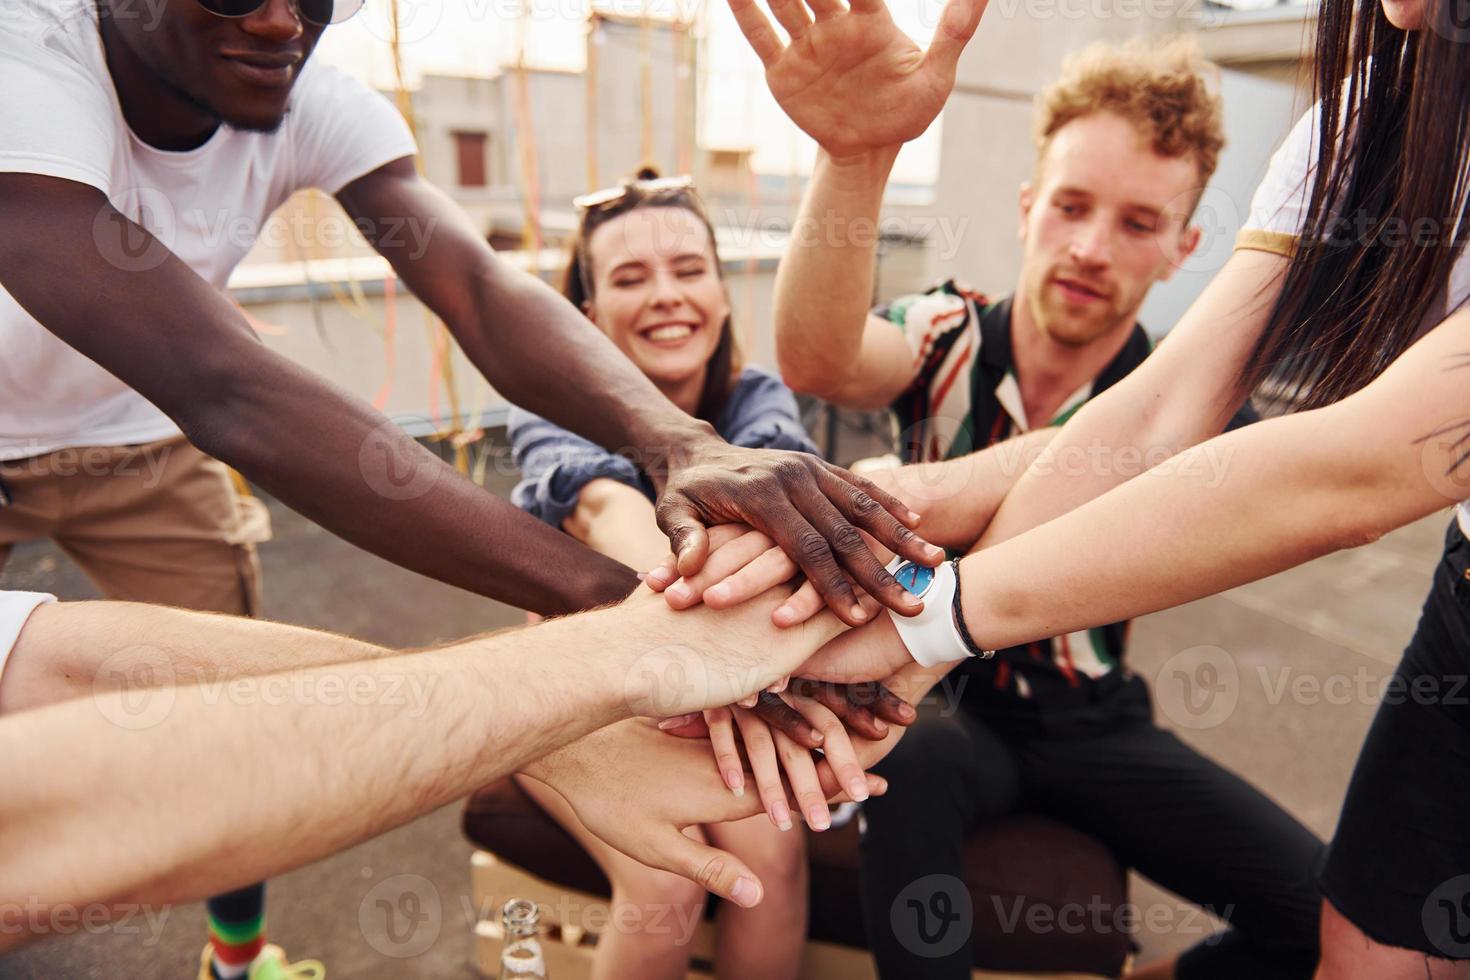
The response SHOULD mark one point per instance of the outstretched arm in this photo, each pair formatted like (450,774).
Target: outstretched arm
(136,309)
(188,790)
(1237,508)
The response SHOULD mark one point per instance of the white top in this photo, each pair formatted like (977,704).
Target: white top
(15,609)
(1280,206)
(60,117)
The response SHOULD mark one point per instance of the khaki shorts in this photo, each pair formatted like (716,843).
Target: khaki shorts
(160,522)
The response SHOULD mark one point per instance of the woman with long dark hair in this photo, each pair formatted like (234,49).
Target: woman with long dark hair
(1344,300)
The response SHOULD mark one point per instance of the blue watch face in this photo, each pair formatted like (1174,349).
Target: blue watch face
(914,577)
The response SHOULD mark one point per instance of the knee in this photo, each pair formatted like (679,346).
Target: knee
(780,861)
(652,888)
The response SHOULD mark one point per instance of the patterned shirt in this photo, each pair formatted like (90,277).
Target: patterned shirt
(965,397)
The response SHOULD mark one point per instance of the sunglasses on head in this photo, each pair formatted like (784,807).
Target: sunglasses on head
(638,188)
(318,12)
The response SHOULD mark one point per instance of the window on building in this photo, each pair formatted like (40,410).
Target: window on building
(469,152)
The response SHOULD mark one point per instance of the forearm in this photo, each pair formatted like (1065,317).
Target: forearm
(615,520)
(331,755)
(341,464)
(824,284)
(1235,509)
(957,498)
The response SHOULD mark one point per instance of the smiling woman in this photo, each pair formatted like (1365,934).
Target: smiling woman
(644,268)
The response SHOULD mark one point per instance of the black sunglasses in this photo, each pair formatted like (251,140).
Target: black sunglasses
(319,12)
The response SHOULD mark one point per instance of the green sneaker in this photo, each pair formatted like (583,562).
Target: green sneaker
(270,964)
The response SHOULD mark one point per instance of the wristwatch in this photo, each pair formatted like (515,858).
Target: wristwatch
(937,635)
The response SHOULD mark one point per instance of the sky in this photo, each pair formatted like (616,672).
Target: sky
(477,37)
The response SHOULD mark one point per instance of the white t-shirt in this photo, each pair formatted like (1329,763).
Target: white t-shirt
(60,117)
(15,609)
(1279,209)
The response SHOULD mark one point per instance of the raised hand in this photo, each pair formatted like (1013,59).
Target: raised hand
(850,78)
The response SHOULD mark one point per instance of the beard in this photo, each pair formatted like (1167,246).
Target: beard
(1067,324)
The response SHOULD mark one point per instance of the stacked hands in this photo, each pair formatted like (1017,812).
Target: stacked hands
(825,725)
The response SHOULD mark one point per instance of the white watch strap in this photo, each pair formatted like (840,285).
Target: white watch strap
(932,637)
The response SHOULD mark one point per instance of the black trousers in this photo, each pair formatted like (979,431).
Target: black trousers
(1162,808)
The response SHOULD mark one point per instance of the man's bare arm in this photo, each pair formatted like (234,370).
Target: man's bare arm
(827,343)
(208,787)
(146,317)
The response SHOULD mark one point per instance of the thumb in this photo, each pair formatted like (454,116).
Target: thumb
(715,870)
(687,536)
(956,26)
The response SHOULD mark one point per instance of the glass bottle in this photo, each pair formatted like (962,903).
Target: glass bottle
(521,958)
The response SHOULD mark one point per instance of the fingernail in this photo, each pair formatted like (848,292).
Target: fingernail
(659,575)
(680,591)
(735,781)
(781,815)
(818,817)
(718,593)
(907,712)
(914,518)
(671,723)
(880,726)
(858,789)
(934,553)
(817,736)
(859,613)
(746,892)
(881,786)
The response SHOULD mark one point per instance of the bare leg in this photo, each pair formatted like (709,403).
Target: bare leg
(654,913)
(766,941)
(1348,954)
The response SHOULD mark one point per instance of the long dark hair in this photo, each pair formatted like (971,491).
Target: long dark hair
(1387,216)
(725,364)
